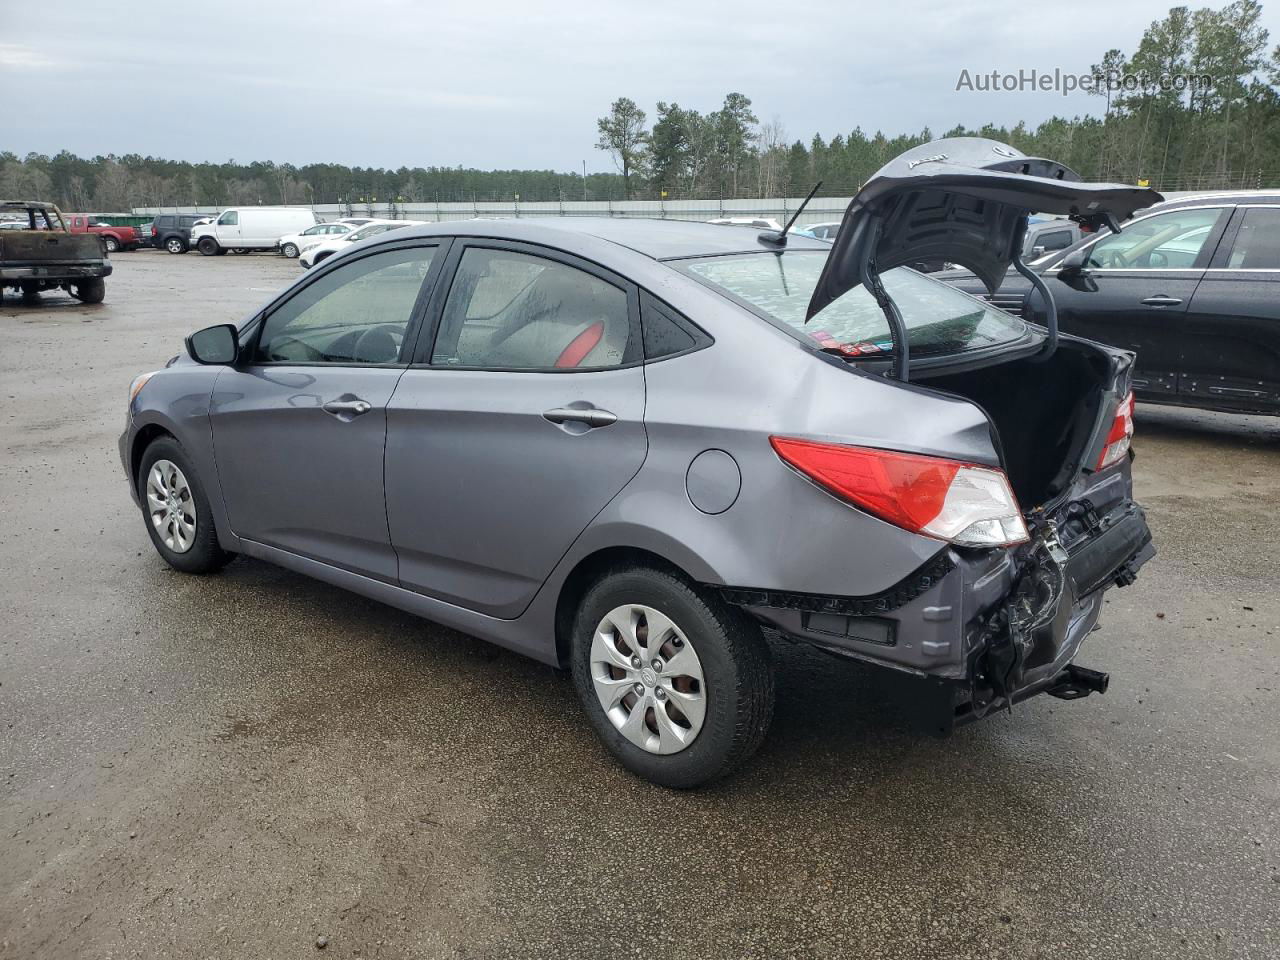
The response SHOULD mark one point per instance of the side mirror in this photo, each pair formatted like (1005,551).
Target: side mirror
(1074,263)
(214,345)
(1037,252)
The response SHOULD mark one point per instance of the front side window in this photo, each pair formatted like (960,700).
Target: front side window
(229,219)
(312,231)
(938,317)
(1167,241)
(357,313)
(509,310)
(1257,245)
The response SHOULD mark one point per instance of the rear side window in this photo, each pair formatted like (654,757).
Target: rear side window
(666,333)
(514,311)
(1257,245)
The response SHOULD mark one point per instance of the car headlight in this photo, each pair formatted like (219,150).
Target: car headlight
(138,383)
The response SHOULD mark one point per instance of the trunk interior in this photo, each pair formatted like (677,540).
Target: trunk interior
(1043,413)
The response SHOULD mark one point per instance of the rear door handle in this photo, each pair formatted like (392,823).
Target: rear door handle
(347,409)
(591,416)
(1161,301)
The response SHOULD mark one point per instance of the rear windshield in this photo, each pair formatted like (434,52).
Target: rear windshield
(939,318)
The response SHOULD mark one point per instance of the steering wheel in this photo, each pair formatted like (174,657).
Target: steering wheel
(377,345)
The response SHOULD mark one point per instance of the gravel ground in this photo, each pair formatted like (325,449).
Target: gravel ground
(238,765)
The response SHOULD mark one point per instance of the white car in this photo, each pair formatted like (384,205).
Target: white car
(322,251)
(292,244)
(762,223)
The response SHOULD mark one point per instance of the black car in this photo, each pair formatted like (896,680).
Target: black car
(1191,285)
(172,231)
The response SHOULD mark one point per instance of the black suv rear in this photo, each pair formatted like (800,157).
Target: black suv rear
(172,231)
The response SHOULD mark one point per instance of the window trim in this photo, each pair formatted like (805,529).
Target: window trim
(253,329)
(425,346)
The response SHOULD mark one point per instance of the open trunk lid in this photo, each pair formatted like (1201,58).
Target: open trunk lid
(964,200)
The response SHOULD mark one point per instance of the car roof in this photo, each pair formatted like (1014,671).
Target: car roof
(659,239)
(1219,196)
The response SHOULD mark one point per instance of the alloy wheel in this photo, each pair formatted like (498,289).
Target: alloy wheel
(171,506)
(648,679)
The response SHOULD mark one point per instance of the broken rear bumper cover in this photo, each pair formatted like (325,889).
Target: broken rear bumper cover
(979,629)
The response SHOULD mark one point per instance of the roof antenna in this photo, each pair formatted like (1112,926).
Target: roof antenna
(771,238)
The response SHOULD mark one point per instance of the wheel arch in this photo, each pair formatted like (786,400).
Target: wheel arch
(146,435)
(587,571)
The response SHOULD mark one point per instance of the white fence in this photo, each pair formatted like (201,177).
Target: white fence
(820,209)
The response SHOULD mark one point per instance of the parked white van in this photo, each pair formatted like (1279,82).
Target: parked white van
(250,228)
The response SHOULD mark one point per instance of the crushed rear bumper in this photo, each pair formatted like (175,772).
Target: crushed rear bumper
(980,630)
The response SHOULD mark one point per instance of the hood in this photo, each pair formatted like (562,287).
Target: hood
(964,200)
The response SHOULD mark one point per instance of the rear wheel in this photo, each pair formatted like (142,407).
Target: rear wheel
(90,291)
(208,246)
(175,245)
(676,683)
(176,510)
(290,250)
(239,250)
(111,243)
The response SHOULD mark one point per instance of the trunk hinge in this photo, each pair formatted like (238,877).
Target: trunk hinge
(898,345)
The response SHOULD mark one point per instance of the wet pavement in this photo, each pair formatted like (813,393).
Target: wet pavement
(238,765)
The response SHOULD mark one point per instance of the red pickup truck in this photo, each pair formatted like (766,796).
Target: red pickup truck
(113,238)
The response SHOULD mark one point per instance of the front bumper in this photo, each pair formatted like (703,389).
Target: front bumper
(53,272)
(980,630)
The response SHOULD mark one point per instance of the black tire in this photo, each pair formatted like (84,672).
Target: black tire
(208,246)
(90,291)
(175,245)
(205,555)
(735,664)
(321,257)
(239,251)
(290,250)
(111,243)
(30,293)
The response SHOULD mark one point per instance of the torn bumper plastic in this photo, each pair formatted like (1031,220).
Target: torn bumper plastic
(980,630)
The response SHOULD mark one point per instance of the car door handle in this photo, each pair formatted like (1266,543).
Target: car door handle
(1161,301)
(347,408)
(591,416)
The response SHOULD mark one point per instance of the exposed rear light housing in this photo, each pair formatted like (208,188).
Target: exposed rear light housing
(1120,436)
(961,503)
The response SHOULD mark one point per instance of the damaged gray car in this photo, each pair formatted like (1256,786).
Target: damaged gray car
(625,448)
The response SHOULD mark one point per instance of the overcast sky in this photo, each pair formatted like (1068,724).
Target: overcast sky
(500,84)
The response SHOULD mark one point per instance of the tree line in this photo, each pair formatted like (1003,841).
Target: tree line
(1222,135)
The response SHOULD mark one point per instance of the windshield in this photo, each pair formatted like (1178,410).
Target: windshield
(939,319)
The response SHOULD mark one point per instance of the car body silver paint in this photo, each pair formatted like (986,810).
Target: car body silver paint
(781,533)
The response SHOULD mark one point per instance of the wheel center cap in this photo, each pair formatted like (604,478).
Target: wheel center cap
(648,677)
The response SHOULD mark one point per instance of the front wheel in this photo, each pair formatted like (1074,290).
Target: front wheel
(111,243)
(290,250)
(676,683)
(175,245)
(176,510)
(208,246)
(90,291)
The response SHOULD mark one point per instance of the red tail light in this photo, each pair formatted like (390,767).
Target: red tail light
(153,229)
(959,502)
(1120,437)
